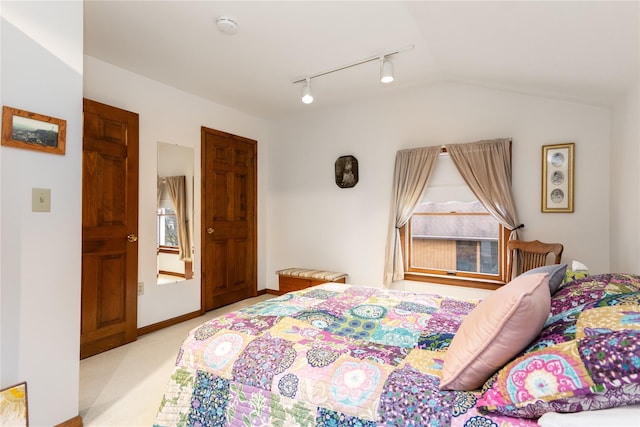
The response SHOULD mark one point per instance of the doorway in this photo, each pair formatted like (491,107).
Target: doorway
(109,228)
(229,204)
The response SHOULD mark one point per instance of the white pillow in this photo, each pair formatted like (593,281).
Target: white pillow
(578,266)
(621,416)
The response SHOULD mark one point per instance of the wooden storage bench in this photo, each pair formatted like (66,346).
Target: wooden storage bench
(295,279)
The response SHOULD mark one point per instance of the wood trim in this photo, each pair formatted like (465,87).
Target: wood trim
(273,292)
(188,270)
(168,250)
(73,422)
(174,321)
(169,322)
(171,273)
(463,277)
(455,281)
(188,265)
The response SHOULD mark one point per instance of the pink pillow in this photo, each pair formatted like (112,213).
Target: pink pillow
(497,330)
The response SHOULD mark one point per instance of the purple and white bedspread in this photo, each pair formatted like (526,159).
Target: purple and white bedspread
(331,355)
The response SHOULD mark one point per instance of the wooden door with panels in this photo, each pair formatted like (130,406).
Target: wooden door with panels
(229,203)
(109,228)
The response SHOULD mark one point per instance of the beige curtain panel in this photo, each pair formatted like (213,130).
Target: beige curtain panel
(486,168)
(484,165)
(411,174)
(176,186)
(160,182)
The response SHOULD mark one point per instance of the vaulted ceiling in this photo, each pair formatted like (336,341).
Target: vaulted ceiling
(584,51)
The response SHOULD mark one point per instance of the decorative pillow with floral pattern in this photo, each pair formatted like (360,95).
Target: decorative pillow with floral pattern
(587,356)
(576,271)
(571,275)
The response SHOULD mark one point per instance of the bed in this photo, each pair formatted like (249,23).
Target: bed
(347,355)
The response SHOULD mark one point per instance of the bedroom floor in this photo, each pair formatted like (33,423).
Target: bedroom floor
(124,386)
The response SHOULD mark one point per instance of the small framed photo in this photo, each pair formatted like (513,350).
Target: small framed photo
(33,131)
(13,406)
(346,171)
(557,177)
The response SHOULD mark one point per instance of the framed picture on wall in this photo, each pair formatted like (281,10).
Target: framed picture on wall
(557,177)
(13,406)
(33,131)
(346,171)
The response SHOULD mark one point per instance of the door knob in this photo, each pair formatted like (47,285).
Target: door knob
(132,238)
(210,230)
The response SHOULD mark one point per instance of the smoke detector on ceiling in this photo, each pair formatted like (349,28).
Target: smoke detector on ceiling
(227,25)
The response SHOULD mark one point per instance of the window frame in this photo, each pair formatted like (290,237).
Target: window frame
(165,248)
(168,249)
(460,278)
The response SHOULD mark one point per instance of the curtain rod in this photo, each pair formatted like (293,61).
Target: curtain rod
(443,147)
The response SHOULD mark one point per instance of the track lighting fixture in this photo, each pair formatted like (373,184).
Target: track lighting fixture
(386,71)
(307,97)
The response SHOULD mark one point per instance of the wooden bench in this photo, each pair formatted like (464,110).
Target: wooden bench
(295,279)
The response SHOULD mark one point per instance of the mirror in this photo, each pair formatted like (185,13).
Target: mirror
(174,216)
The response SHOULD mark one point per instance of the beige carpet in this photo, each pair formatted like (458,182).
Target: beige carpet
(123,387)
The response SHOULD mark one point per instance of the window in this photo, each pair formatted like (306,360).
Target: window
(167,230)
(451,233)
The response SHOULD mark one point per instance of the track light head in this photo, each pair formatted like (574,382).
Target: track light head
(307,97)
(386,70)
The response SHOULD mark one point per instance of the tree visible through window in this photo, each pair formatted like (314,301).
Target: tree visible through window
(167,228)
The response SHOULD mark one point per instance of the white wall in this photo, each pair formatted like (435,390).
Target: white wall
(172,116)
(313,223)
(41,61)
(625,191)
(306,220)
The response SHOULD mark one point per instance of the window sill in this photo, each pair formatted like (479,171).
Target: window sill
(454,281)
(168,250)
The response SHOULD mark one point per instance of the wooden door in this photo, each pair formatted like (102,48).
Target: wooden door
(109,228)
(229,259)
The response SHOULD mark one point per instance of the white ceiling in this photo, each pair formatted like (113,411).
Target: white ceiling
(585,51)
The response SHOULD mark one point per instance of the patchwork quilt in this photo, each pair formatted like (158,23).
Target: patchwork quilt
(331,355)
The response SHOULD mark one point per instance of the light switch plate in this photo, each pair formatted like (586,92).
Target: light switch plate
(41,200)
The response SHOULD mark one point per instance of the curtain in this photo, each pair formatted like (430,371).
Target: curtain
(159,183)
(176,186)
(486,168)
(411,174)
